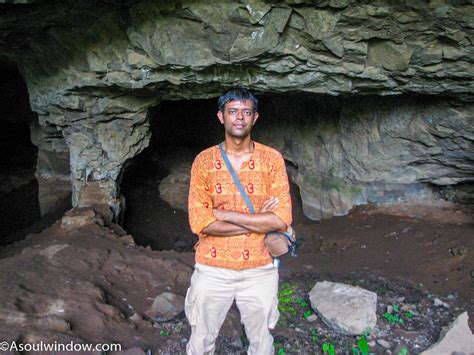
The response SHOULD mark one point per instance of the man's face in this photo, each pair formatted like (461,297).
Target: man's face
(238,118)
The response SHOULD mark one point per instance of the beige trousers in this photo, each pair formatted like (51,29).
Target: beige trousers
(211,294)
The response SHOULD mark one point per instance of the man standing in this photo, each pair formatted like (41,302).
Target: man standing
(232,262)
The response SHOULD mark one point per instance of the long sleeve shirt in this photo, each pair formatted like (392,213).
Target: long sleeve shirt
(262,176)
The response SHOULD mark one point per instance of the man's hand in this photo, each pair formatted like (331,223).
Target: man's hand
(269,205)
(219,214)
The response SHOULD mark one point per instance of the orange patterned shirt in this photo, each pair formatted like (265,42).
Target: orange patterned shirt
(212,186)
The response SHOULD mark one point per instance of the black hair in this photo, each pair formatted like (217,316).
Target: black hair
(237,94)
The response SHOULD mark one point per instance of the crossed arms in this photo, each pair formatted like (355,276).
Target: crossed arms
(204,219)
(229,223)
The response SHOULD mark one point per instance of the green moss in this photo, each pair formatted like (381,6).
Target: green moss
(328,181)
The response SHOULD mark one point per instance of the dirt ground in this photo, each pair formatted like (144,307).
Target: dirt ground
(406,253)
(429,246)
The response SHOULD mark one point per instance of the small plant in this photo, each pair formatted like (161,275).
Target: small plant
(301,302)
(290,304)
(285,300)
(328,348)
(396,316)
(314,336)
(362,347)
(403,351)
(280,349)
(164,333)
(393,318)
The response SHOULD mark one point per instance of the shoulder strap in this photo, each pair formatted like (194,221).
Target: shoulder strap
(236,179)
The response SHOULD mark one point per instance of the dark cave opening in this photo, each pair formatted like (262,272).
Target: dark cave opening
(180,130)
(323,130)
(19,206)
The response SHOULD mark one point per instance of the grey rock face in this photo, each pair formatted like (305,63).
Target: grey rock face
(52,166)
(355,48)
(369,150)
(457,338)
(98,152)
(344,308)
(94,84)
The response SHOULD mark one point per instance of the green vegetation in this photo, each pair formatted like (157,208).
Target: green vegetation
(396,317)
(164,333)
(281,351)
(403,351)
(362,347)
(328,348)
(291,304)
(329,181)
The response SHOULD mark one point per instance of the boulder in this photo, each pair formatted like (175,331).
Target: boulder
(78,218)
(344,308)
(166,306)
(457,338)
(174,188)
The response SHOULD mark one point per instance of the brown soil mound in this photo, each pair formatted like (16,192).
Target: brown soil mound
(83,279)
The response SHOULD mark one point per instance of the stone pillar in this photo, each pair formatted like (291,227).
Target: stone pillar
(99,147)
(52,167)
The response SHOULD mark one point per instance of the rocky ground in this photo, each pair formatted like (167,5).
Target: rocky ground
(83,279)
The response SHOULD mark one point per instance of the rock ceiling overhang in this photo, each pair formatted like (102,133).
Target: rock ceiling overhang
(187,49)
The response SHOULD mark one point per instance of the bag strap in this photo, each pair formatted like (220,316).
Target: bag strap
(236,179)
(276,261)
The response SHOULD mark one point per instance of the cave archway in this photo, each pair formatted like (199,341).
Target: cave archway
(341,152)
(19,205)
(180,129)
(29,181)
(155,183)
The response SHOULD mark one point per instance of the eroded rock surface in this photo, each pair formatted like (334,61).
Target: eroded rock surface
(371,150)
(174,188)
(457,338)
(95,84)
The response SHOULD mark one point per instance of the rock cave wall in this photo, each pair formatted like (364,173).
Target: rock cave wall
(360,150)
(343,151)
(92,80)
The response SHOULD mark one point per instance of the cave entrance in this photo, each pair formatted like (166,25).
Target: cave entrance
(19,205)
(155,183)
(343,151)
(28,203)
